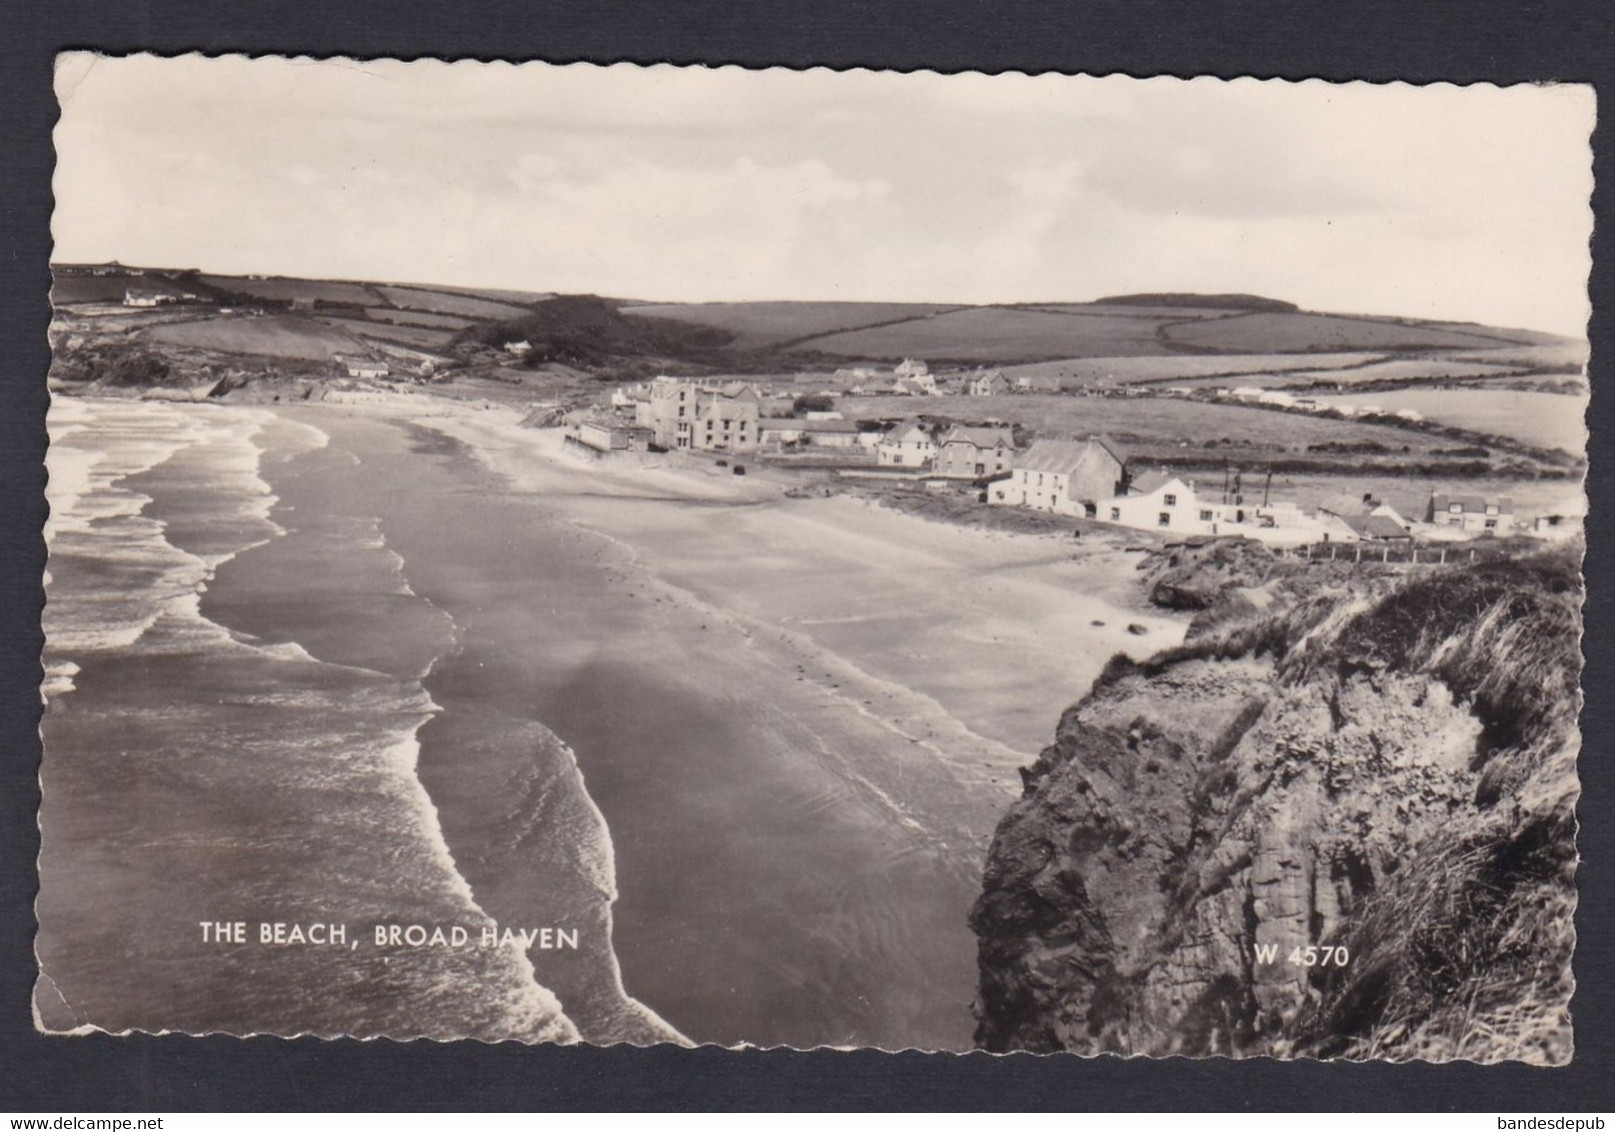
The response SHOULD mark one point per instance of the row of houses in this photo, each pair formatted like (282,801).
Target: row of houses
(1089,478)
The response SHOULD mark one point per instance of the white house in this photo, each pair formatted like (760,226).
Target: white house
(1162,501)
(830,433)
(1068,477)
(991,384)
(1472,514)
(519,349)
(364,367)
(906,447)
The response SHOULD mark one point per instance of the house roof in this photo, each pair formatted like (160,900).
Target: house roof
(1343,503)
(978,436)
(1061,456)
(1375,526)
(1472,504)
(1153,481)
(902,434)
(1117,452)
(829,426)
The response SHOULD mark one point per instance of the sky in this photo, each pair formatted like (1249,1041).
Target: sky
(699,184)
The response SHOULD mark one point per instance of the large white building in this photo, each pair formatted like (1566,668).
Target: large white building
(1067,477)
(683,415)
(907,446)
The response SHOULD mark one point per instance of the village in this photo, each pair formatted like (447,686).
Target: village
(1084,477)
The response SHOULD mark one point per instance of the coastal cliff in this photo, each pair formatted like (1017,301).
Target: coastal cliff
(1382,763)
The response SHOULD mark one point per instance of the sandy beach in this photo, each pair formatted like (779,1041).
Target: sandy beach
(748,747)
(800,718)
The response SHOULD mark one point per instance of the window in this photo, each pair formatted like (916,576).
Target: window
(1456,521)
(1040,479)
(1164,519)
(1170,500)
(1491,509)
(981,469)
(1455,508)
(1491,524)
(1205,516)
(1115,514)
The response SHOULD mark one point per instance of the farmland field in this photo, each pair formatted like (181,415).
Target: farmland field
(494,294)
(1408,369)
(277,337)
(416,337)
(1547,420)
(1151,419)
(999,334)
(1172,367)
(1502,335)
(418,318)
(284,290)
(1128,310)
(1268,331)
(764,324)
(1563,355)
(102,288)
(443,302)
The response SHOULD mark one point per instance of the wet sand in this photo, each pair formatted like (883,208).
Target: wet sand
(801,719)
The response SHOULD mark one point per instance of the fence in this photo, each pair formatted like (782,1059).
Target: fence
(1379,554)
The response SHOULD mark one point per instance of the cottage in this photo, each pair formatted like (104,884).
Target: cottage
(975,453)
(776,431)
(133,298)
(519,348)
(303,303)
(1162,501)
(991,384)
(906,447)
(1345,506)
(1067,477)
(364,367)
(726,421)
(1472,514)
(830,433)
(912,367)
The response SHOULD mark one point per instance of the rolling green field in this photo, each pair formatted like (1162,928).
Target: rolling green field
(285,290)
(1130,310)
(1546,420)
(1152,420)
(765,324)
(284,336)
(495,294)
(443,302)
(1267,332)
(999,334)
(415,337)
(1407,369)
(104,288)
(419,318)
(1184,367)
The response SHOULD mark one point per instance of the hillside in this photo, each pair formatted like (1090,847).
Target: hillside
(1383,764)
(584,330)
(1141,338)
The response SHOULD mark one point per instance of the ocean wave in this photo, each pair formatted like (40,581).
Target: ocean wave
(121,592)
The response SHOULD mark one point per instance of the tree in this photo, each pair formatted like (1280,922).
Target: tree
(813,403)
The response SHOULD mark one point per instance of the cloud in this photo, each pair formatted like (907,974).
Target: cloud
(707,183)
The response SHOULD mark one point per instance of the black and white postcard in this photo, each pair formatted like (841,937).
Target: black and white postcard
(623,554)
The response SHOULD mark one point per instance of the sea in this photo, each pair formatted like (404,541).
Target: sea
(236,685)
(323,669)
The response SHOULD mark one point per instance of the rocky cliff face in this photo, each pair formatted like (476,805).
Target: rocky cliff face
(1381,764)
